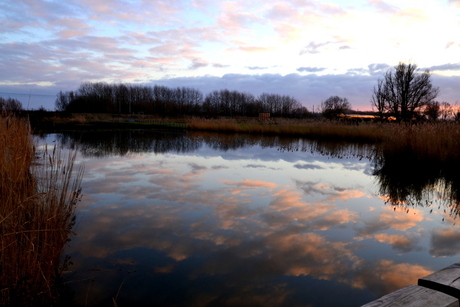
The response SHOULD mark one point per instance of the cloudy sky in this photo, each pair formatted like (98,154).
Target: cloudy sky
(308,49)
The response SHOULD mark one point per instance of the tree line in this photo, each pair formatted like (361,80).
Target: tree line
(404,93)
(101,97)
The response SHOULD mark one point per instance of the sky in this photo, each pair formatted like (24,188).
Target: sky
(307,49)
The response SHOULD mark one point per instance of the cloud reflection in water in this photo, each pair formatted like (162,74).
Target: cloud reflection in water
(254,228)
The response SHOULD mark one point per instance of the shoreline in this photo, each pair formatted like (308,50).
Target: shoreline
(316,128)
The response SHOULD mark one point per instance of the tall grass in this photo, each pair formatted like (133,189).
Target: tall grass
(38,194)
(419,160)
(440,140)
(366,132)
(429,141)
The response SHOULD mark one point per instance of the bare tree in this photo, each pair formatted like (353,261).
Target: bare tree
(432,110)
(334,105)
(446,111)
(404,91)
(378,98)
(10,105)
(62,101)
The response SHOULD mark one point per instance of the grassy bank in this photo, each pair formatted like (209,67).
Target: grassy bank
(38,194)
(438,140)
(425,140)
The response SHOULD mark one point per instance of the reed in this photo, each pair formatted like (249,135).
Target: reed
(426,142)
(418,165)
(38,194)
(366,132)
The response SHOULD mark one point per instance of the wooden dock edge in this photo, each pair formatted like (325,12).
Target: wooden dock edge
(415,296)
(439,289)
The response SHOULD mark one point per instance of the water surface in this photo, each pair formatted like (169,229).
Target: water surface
(188,219)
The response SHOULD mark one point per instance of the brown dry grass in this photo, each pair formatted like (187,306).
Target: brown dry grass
(74,118)
(429,141)
(438,141)
(312,128)
(37,202)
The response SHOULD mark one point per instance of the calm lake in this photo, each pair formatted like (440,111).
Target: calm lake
(174,218)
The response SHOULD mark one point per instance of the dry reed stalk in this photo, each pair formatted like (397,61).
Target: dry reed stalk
(37,212)
(367,132)
(425,142)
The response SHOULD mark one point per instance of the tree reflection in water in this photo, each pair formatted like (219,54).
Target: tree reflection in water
(403,179)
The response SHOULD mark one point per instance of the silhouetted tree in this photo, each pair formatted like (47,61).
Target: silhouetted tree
(10,105)
(446,111)
(432,110)
(333,106)
(378,100)
(404,91)
(63,101)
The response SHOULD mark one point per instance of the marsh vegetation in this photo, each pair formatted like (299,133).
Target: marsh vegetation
(38,194)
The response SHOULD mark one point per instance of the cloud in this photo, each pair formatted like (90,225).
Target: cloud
(62,44)
(358,71)
(246,183)
(197,63)
(384,7)
(313,48)
(282,11)
(307,166)
(310,69)
(236,17)
(445,242)
(288,205)
(266,231)
(450,44)
(330,193)
(332,9)
(217,65)
(398,219)
(345,195)
(256,67)
(385,276)
(197,168)
(398,242)
(450,66)
(71,27)
(255,166)
(249,49)
(219,167)
(378,68)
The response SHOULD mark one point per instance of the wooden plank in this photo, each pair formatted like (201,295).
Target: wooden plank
(446,280)
(415,296)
